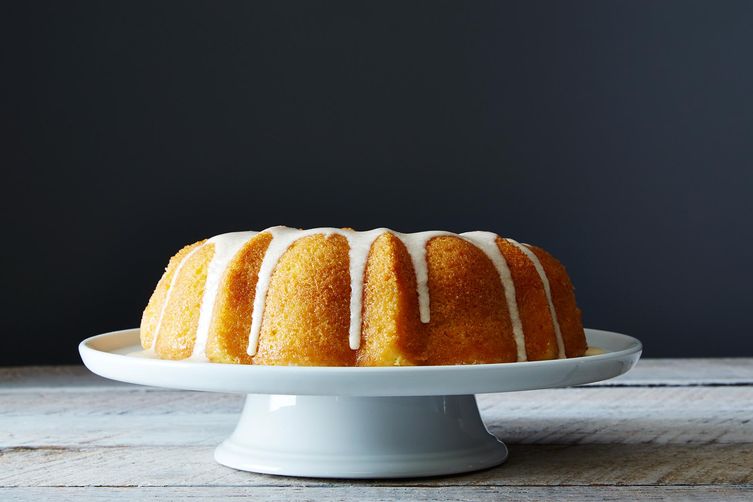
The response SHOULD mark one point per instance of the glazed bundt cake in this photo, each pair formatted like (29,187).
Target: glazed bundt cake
(334,297)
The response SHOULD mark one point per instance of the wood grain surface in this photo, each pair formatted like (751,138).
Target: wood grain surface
(678,429)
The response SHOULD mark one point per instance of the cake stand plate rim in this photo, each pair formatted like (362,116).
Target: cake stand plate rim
(108,355)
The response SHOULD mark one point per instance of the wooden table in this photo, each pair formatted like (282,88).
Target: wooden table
(670,428)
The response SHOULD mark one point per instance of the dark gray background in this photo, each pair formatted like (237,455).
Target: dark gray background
(616,134)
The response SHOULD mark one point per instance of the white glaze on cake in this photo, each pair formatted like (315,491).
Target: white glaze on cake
(282,239)
(360,245)
(416,245)
(547,291)
(487,242)
(594,351)
(170,290)
(226,246)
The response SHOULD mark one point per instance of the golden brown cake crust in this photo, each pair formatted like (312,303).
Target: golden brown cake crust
(181,314)
(541,340)
(470,323)
(563,299)
(306,314)
(392,334)
(231,323)
(151,315)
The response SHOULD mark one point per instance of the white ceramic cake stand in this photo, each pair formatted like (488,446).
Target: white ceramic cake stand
(381,422)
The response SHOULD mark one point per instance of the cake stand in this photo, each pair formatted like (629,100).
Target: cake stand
(377,422)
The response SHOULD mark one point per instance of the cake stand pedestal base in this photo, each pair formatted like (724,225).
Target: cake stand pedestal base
(360,437)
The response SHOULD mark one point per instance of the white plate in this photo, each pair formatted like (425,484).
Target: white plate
(381,422)
(108,355)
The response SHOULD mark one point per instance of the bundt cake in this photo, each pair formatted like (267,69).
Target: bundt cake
(337,297)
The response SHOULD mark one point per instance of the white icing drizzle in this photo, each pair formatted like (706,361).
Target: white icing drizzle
(547,290)
(594,351)
(282,238)
(487,242)
(225,248)
(169,292)
(416,246)
(360,245)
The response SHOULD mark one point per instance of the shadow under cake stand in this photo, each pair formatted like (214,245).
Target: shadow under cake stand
(359,422)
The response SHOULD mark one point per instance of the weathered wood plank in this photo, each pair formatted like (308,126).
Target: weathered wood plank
(689,415)
(528,465)
(377,494)
(716,371)
(728,371)
(63,427)
(686,415)
(61,378)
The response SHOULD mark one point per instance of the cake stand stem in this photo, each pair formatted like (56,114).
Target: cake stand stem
(360,437)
